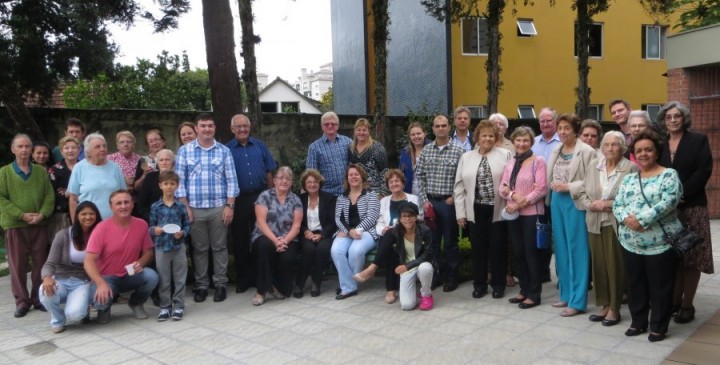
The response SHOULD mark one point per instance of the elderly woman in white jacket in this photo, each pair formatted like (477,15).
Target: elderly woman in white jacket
(478,206)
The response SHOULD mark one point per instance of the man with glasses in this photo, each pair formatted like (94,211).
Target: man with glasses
(544,145)
(329,154)
(208,187)
(254,166)
(620,111)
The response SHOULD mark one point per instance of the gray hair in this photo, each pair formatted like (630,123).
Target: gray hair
(619,136)
(285,170)
(19,136)
(462,109)
(687,121)
(329,115)
(240,116)
(551,110)
(640,114)
(166,151)
(90,137)
(592,123)
(499,117)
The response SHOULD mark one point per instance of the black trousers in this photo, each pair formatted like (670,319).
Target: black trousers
(315,255)
(529,262)
(240,230)
(650,281)
(388,259)
(488,248)
(274,268)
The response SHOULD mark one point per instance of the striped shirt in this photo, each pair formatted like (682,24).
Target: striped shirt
(207,175)
(436,168)
(331,159)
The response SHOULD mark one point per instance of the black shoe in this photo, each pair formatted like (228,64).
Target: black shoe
(523,305)
(338,291)
(241,288)
(21,311)
(635,331)
(200,295)
(685,315)
(451,285)
(347,295)
(315,293)
(611,322)
(298,292)
(220,294)
(596,318)
(516,300)
(479,293)
(498,293)
(42,308)
(656,337)
(155,300)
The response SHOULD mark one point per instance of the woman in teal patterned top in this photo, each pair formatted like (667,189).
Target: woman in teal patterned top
(649,260)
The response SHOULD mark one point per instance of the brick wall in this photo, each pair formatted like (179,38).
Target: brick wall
(699,89)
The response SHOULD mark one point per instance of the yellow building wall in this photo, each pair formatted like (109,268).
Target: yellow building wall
(542,70)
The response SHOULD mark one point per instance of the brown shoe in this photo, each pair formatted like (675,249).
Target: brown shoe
(390,297)
(365,275)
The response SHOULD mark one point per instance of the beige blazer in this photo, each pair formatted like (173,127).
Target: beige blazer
(466,179)
(583,156)
(591,190)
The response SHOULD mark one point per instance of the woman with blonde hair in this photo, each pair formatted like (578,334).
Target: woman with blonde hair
(369,154)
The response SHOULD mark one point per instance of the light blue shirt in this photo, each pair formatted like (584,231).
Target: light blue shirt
(95,183)
(331,159)
(467,145)
(544,148)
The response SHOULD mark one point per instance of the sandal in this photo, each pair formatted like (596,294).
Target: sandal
(559,304)
(570,312)
(390,297)
(258,299)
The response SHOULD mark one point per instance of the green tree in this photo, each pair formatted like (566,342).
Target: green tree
(45,41)
(696,13)
(167,84)
(327,101)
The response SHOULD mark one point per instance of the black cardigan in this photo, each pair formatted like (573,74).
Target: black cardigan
(693,163)
(326,210)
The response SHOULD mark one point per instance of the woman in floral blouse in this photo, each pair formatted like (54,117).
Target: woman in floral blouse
(125,156)
(369,154)
(644,206)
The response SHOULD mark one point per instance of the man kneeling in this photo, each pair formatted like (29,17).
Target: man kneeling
(117,253)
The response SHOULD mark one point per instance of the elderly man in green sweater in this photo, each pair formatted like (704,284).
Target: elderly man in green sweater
(26,200)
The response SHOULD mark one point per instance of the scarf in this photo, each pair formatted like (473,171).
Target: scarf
(519,159)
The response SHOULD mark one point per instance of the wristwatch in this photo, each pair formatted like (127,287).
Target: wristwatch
(230,205)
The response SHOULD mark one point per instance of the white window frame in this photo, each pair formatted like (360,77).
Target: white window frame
(598,109)
(661,41)
(478,111)
(649,107)
(477,36)
(602,40)
(526,107)
(529,32)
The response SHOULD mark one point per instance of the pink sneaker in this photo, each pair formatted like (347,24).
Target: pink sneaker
(426,303)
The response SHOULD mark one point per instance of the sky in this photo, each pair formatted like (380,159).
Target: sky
(295,34)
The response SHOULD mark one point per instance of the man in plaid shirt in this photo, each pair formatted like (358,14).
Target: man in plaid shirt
(208,187)
(435,170)
(329,154)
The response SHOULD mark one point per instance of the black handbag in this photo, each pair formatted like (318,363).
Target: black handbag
(681,241)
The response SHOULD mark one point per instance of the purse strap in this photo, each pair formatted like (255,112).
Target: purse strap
(648,202)
(537,215)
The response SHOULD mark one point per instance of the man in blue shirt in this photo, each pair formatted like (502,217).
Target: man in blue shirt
(544,145)
(208,187)
(254,166)
(329,154)
(462,136)
(73,128)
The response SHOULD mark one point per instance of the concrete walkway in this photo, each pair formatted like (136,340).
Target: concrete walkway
(361,330)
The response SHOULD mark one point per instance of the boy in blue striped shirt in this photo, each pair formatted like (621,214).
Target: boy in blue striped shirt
(169,227)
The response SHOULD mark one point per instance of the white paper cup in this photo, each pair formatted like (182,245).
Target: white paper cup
(130,269)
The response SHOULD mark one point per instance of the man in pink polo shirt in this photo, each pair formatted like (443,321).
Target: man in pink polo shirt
(118,252)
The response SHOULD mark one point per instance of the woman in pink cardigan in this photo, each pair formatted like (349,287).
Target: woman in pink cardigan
(523,185)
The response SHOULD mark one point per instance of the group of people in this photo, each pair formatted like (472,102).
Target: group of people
(122,222)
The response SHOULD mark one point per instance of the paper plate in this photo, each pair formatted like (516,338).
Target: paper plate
(509,216)
(171,228)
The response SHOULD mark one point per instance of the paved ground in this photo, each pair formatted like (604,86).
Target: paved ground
(361,330)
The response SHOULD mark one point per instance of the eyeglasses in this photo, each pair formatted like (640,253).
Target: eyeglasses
(283,178)
(330,124)
(239,127)
(673,116)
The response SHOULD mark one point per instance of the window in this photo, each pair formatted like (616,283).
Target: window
(268,107)
(526,112)
(652,109)
(290,106)
(474,36)
(596,40)
(653,42)
(478,111)
(526,28)
(595,111)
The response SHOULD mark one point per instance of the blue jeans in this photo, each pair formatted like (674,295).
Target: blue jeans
(348,254)
(447,233)
(143,283)
(75,293)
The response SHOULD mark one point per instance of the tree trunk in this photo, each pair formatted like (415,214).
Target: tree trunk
(582,39)
(381,22)
(20,115)
(222,65)
(495,10)
(249,73)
